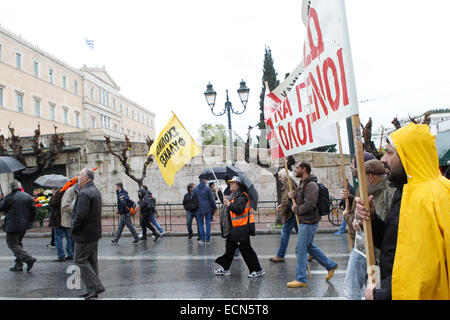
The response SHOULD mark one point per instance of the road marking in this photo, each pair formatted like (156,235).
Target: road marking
(166,257)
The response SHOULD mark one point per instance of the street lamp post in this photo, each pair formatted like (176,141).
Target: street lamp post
(210,95)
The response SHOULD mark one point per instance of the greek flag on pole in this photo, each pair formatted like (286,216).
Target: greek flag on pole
(90,43)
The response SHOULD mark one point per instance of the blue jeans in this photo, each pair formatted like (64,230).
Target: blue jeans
(155,223)
(355,277)
(125,219)
(285,235)
(60,233)
(305,246)
(343,227)
(189,217)
(202,234)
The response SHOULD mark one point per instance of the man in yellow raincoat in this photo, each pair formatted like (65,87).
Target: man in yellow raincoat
(415,239)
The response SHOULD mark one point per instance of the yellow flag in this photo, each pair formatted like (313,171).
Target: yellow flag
(173,149)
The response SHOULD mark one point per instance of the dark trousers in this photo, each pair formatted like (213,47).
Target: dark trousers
(145,223)
(14,242)
(249,255)
(86,254)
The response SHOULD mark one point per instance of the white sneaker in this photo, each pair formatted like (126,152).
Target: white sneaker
(222,272)
(256,274)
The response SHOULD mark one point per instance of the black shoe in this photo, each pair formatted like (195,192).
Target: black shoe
(69,258)
(157,236)
(84,295)
(114,242)
(16,269)
(135,241)
(190,237)
(59,260)
(30,264)
(145,238)
(93,296)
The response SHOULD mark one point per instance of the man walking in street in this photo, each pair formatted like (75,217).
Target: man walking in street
(123,208)
(306,196)
(19,213)
(147,208)
(86,231)
(206,207)
(153,220)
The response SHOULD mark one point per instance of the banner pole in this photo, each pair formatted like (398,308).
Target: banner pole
(367,224)
(345,184)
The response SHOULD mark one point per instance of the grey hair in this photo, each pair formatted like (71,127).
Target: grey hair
(15,184)
(282,173)
(88,173)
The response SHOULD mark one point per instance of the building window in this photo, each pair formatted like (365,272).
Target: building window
(18,60)
(52,111)
(1,96)
(114,104)
(115,127)
(19,100)
(64,82)
(132,114)
(127,111)
(37,107)
(75,86)
(77,119)
(0,52)
(99,95)
(93,122)
(66,116)
(36,69)
(107,99)
(50,75)
(120,109)
(92,94)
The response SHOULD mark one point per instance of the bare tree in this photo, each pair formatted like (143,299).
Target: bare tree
(368,144)
(123,157)
(45,157)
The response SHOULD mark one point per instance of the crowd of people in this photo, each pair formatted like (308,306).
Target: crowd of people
(408,210)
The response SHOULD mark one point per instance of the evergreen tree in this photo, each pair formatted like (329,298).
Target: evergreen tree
(269,75)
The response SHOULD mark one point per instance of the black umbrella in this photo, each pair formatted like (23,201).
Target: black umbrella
(9,164)
(229,172)
(52,181)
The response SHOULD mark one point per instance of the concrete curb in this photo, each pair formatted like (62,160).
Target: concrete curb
(172,233)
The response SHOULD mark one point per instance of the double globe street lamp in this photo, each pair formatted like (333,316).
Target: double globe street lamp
(210,95)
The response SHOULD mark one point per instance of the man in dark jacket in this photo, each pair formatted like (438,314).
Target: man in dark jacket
(306,196)
(147,208)
(19,213)
(206,207)
(123,208)
(86,231)
(188,205)
(237,227)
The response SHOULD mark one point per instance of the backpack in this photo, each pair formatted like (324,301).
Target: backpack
(323,202)
(131,206)
(192,204)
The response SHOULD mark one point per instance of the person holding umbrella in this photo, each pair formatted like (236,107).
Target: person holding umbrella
(238,225)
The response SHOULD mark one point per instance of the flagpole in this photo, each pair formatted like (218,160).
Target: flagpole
(345,184)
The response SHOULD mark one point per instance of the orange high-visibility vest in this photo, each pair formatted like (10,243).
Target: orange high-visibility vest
(242,219)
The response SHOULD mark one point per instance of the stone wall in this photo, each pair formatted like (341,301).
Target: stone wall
(93,153)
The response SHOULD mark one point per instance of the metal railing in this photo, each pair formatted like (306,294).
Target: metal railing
(171,216)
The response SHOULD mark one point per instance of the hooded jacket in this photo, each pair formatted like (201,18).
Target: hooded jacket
(67,202)
(306,197)
(146,204)
(122,201)
(421,264)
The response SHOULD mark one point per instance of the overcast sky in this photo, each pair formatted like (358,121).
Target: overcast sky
(163,53)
